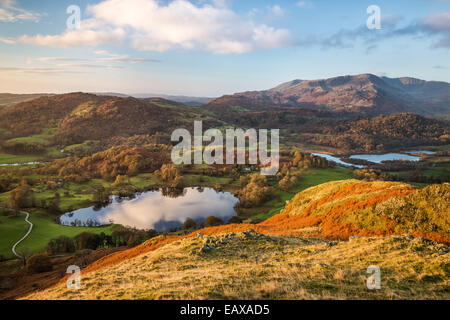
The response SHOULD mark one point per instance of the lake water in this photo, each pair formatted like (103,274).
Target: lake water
(158,210)
(18,164)
(374,158)
(421,152)
(378,158)
(337,160)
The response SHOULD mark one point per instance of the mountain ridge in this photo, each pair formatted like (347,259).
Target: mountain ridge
(364,93)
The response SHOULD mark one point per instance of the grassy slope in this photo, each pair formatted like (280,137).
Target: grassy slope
(309,178)
(272,267)
(12,158)
(12,229)
(351,207)
(286,265)
(43,137)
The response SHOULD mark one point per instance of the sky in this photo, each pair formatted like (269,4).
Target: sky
(214,47)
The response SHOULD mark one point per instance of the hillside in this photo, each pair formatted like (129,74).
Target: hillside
(381,133)
(254,266)
(10,98)
(345,208)
(293,255)
(75,118)
(30,117)
(365,93)
(115,117)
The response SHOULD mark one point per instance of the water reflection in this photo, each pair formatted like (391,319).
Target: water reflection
(337,160)
(378,158)
(160,210)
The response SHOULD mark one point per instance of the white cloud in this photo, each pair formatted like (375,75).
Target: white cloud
(8,40)
(37,70)
(150,25)
(304,4)
(277,11)
(10,13)
(93,66)
(7,3)
(438,22)
(111,57)
(91,33)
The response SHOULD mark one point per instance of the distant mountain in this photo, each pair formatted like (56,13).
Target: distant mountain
(365,93)
(10,98)
(187,100)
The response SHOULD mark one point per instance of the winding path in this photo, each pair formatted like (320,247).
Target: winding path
(24,237)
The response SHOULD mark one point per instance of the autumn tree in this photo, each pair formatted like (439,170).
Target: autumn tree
(189,224)
(170,174)
(212,221)
(22,197)
(255,192)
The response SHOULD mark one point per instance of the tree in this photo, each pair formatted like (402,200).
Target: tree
(62,244)
(171,174)
(189,224)
(39,263)
(255,192)
(22,197)
(53,208)
(88,240)
(101,195)
(25,253)
(212,221)
(121,180)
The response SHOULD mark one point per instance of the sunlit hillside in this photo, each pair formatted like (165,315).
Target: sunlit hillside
(283,258)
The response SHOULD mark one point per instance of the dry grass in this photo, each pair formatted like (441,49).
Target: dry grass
(291,264)
(271,267)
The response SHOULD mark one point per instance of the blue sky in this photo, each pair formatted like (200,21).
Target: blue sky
(215,47)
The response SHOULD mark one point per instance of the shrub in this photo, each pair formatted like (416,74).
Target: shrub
(255,192)
(213,221)
(235,220)
(189,224)
(39,263)
(62,244)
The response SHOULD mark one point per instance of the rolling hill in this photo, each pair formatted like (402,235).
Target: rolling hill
(294,254)
(77,117)
(365,93)
(11,98)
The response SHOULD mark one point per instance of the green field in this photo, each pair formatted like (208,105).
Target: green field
(440,170)
(74,196)
(12,158)
(43,137)
(14,228)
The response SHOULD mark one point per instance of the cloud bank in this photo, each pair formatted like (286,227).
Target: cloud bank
(151,26)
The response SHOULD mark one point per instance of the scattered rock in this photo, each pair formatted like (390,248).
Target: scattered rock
(207,248)
(424,240)
(332,243)
(251,234)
